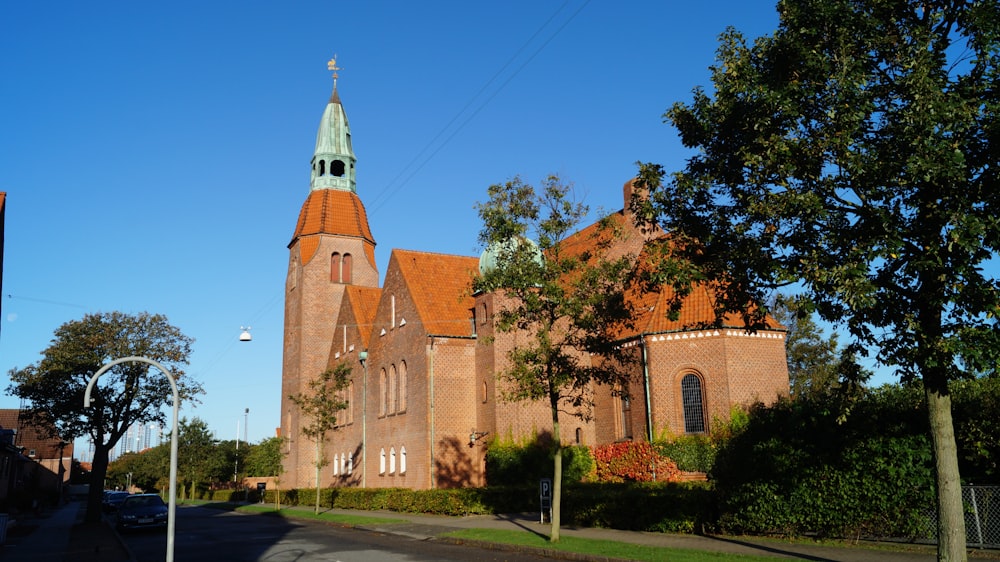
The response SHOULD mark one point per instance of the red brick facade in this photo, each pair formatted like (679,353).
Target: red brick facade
(428,379)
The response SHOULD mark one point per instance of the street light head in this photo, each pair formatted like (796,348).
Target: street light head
(363,356)
(245,334)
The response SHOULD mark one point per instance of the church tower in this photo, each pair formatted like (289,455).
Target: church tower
(332,247)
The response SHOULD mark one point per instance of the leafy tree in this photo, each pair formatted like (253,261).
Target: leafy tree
(199,458)
(977,428)
(233,455)
(812,359)
(855,151)
(321,405)
(264,458)
(127,394)
(568,301)
(147,468)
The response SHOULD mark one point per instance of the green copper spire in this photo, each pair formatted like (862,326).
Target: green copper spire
(333,160)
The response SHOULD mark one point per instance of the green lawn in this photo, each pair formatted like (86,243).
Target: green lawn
(611,549)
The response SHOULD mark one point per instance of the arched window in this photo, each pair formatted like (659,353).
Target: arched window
(337,168)
(381,393)
(345,269)
(486,394)
(350,402)
(393,390)
(335,267)
(343,464)
(392,460)
(381,461)
(694,407)
(336,465)
(579,436)
(322,167)
(402,386)
(350,463)
(402,460)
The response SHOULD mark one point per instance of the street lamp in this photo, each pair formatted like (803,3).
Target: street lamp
(172,510)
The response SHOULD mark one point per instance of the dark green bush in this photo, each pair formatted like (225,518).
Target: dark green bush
(511,464)
(806,466)
(647,506)
(695,453)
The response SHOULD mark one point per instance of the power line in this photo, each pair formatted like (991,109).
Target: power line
(383,196)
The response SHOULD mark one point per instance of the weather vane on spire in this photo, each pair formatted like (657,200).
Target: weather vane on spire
(332,65)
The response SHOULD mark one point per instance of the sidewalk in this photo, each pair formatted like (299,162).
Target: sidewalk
(425,527)
(59,534)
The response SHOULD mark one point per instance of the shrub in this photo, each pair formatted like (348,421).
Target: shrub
(510,464)
(690,452)
(804,466)
(632,461)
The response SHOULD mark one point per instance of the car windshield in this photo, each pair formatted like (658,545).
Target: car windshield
(137,501)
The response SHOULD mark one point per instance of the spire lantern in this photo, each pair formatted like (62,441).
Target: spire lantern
(333,160)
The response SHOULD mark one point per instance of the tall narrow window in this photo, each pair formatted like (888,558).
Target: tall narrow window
(336,465)
(402,460)
(694,408)
(322,167)
(392,460)
(381,461)
(350,402)
(402,386)
(335,267)
(381,393)
(345,269)
(626,416)
(350,463)
(393,390)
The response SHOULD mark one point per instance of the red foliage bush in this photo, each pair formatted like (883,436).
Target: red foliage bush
(632,461)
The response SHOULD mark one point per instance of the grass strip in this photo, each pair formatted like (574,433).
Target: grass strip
(596,547)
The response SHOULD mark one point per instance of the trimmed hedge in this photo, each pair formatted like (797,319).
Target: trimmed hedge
(663,507)
(801,467)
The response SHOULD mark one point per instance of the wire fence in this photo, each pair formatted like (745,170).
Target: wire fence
(982,517)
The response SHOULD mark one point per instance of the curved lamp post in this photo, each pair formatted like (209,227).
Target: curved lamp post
(173,439)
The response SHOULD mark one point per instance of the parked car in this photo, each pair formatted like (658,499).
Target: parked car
(141,511)
(113,499)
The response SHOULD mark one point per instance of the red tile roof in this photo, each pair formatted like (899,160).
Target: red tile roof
(363,302)
(440,287)
(651,307)
(31,438)
(332,211)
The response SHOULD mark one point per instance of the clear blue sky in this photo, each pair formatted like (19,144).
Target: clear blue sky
(156,155)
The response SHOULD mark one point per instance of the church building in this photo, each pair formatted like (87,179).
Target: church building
(422,401)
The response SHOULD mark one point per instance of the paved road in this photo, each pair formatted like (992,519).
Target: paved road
(211,535)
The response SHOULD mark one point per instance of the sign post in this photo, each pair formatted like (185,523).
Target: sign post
(545,497)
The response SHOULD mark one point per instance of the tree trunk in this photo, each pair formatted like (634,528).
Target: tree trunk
(557,471)
(317,475)
(99,469)
(951,514)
